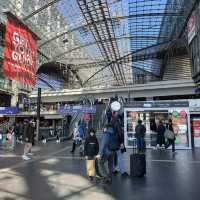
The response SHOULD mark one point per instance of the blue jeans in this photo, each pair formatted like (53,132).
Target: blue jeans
(14,141)
(120,162)
(140,144)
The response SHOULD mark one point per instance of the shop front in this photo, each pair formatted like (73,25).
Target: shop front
(153,112)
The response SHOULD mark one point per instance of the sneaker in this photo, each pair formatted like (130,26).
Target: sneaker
(30,154)
(99,177)
(24,157)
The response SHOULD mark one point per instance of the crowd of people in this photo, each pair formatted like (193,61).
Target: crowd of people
(19,132)
(109,149)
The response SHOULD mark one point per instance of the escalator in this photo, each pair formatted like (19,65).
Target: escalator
(76,117)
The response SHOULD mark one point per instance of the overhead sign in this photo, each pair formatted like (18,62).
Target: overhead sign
(19,52)
(77,109)
(158,104)
(191,27)
(8,110)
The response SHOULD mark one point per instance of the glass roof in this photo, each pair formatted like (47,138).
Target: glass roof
(107,42)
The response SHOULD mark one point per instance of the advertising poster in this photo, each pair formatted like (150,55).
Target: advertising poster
(19,52)
(196,131)
(191,27)
(180,126)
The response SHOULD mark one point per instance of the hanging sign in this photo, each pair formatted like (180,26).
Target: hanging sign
(8,110)
(77,109)
(191,27)
(19,52)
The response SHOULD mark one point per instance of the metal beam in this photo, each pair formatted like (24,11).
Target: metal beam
(97,34)
(101,21)
(132,53)
(106,40)
(74,72)
(134,58)
(44,81)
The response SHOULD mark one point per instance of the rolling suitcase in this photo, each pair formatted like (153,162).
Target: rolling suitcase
(137,163)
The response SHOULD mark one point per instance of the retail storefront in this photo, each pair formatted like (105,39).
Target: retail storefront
(151,113)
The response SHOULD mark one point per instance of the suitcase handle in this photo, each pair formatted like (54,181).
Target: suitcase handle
(134,146)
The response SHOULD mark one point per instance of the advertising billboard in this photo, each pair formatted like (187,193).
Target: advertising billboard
(191,27)
(196,131)
(20,52)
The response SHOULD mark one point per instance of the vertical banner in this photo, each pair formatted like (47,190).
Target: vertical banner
(191,27)
(196,131)
(19,52)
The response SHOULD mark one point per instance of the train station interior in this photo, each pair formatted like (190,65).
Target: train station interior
(99,99)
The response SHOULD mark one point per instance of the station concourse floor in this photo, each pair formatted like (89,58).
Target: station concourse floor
(54,174)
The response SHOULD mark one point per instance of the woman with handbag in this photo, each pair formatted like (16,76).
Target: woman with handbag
(170,136)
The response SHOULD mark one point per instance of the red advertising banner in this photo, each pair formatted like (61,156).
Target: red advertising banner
(191,27)
(20,52)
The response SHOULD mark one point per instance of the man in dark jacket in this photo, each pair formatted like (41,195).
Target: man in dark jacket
(109,115)
(117,128)
(119,146)
(29,129)
(140,131)
(160,134)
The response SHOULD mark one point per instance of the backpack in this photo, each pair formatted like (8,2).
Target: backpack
(114,143)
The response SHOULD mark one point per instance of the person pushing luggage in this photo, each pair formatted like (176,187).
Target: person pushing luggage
(91,149)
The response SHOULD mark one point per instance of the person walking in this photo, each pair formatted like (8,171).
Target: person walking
(11,137)
(76,137)
(29,129)
(170,136)
(119,148)
(160,134)
(21,131)
(91,149)
(109,115)
(106,155)
(140,131)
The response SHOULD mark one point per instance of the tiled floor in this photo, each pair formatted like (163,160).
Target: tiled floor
(53,174)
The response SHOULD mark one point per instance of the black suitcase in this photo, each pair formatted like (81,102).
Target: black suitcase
(137,164)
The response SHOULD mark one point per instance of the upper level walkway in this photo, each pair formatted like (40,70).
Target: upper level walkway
(53,174)
(162,88)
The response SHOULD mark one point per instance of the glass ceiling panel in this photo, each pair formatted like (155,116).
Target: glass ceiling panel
(77,32)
